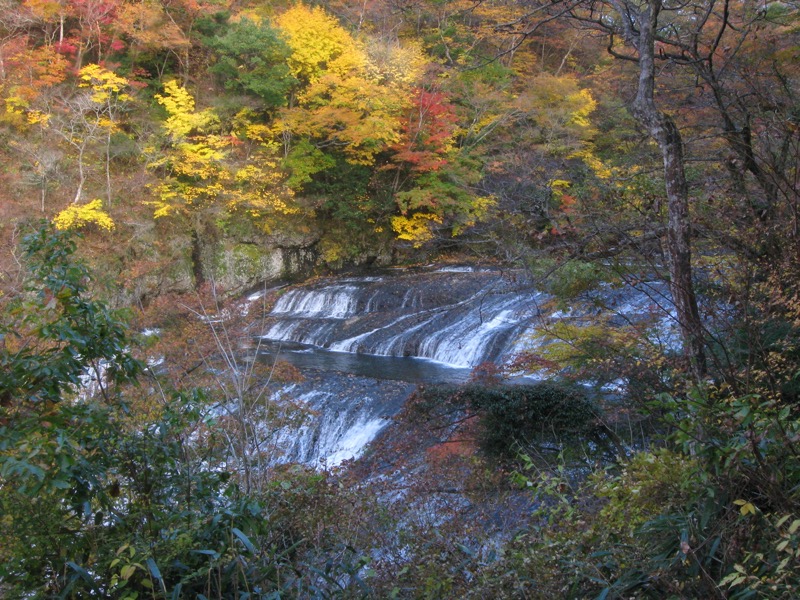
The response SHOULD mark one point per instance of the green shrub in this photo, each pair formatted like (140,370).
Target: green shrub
(514,416)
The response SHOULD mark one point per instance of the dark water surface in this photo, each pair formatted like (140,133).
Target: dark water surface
(395,368)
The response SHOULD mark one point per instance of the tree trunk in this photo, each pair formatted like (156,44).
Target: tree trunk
(663,130)
(81,174)
(108,166)
(197,258)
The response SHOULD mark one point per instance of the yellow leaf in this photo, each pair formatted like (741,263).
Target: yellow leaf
(183,119)
(319,44)
(417,228)
(745,507)
(127,571)
(75,217)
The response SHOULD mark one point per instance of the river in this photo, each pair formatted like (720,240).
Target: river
(352,335)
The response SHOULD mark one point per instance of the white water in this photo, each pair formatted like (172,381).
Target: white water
(335,423)
(334,302)
(456,318)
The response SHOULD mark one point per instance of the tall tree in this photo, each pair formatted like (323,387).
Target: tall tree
(108,97)
(641,25)
(89,116)
(193,174)
(202,182)
(252,58)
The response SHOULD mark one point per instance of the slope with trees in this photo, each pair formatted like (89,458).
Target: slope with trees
(598,143)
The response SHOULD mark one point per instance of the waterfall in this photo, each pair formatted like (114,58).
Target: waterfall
(362,336)
(339,416)
(333,302)
(458,317)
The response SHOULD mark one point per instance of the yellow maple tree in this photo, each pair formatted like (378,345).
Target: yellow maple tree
(347,102)
(194,173)
(416,228)
(182,117)
(203,171)
(319,44)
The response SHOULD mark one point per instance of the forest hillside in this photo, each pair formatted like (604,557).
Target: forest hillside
(163,158)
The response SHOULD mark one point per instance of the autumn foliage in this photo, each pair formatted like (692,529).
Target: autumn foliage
(201,146)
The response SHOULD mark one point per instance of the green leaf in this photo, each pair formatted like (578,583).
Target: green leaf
(465,550)
(127,571)
(176,592)
(61,484)
(153,567)
(37,472)
(244,539)
(83,573)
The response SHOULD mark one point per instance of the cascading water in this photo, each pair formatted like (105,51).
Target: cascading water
(458,318)
(338,415)
(406,325)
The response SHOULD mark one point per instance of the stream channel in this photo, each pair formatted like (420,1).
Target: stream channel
(364,342)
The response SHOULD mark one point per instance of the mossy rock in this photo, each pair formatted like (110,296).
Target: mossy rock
(240,266)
